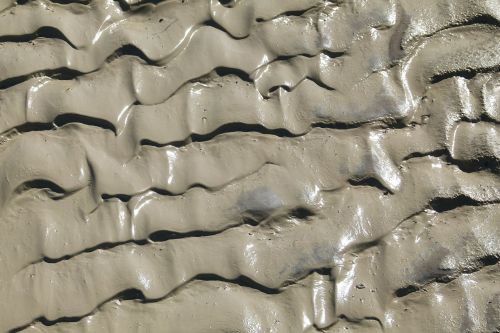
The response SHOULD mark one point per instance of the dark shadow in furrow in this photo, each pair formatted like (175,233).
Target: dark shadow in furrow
(226,71)
(241,281)
(488,163)
(465,73)
(296,13)
(64,73)
(227,3)
(483,19)
(71,118)
(289,89)
(330,54)
(483,164)
(41,184)
(358,248)
(161,236)
(121,197)
(482,262)
(441,205)
(224,129)
(434,153)
(62,120)
(43,32)
(102,246)
(340,126)
(402,292)
(128,294)
(130,50)
(237,127)
(54,191)
(165,235)
(138,6)
(127,197)
(486,118)
(137,295)
(31,127)
(301,213)
(57,74)
(215,25)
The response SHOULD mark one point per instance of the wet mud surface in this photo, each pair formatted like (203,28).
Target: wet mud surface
(249,166)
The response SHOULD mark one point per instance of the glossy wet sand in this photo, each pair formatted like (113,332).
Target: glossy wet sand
(249,166)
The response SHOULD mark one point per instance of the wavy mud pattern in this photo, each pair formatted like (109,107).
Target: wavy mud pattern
(250,166)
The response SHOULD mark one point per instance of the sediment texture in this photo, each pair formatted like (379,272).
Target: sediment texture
(249,166)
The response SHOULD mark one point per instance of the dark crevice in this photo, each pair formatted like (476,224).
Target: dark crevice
(361,247)
(326,271)
(441,205)
(333,54)
(123,5)
(41,184)
(319,83)
(253,220)
(290,88)
(43,32)
(130,50)
(127,197)
(134,294)
(486,118)
(242,281)
(482,19)
(402,292)
(227,3)
(395,123)
(121,197)
(369,181)
(464,73)
(33,127)
(224,129)
(340,126)
(212,23)
(102,246)
(161,191)
(480,263)
(54,191)
(131,294)
(47,322)
(165,235)
(57,74)
(69,118)
(301,213)
(128,294)
(62,120)
(489,260)
(225,71)
(487,163)
(147,142)
(276,88)
(375,319)
(288,57)
(330,54)
(435,153)
(296,13)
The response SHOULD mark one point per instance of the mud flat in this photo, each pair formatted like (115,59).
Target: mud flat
(249,166)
